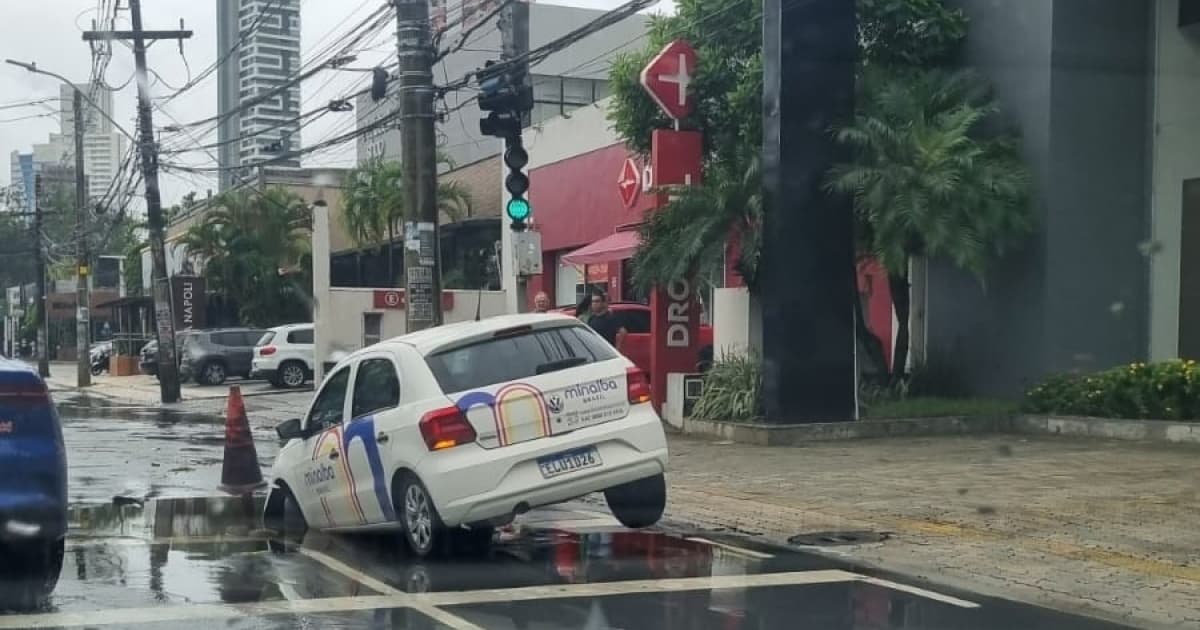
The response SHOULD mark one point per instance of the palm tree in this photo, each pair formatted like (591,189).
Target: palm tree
(375,208)
(692,231)
(244,242)
(927,179)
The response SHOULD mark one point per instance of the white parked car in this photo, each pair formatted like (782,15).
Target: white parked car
(284,356)
(449,432)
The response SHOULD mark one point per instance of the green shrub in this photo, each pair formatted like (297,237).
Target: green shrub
(1162,391)
(732,390)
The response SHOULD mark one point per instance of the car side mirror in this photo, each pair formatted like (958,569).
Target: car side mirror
(290,430)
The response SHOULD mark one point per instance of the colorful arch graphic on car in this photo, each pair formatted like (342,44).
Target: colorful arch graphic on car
(329,441)
(508,403)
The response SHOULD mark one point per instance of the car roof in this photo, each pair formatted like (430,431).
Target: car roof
(432,339)
(13,371)
(289,327)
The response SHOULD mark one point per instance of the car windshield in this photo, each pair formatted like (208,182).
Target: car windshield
(516,356)
(266,338)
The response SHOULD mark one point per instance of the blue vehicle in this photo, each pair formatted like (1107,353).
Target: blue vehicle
(33,489)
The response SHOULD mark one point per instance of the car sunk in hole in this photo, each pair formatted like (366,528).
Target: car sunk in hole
(33,489)
(447,433)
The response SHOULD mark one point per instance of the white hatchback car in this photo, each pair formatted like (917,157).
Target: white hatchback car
(284,355)
(451,431)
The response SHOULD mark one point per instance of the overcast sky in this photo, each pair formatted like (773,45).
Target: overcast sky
(48,33)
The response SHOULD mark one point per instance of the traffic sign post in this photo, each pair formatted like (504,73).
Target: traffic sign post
(676,157)
(668,77)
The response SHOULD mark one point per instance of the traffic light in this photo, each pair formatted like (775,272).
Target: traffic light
(506,97)
(517,183)
(504,94)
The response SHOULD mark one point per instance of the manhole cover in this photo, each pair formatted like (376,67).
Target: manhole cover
(832,539)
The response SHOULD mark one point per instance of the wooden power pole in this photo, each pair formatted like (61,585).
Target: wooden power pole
(83,359)
(418,157)
(168,368)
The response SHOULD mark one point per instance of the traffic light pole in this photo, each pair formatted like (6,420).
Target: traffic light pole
(418,158)
(514,33)
(168,367)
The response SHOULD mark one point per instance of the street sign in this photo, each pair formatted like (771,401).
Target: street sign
(669,75)
(629,182)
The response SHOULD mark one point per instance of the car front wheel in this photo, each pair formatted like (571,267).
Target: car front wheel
(638,503)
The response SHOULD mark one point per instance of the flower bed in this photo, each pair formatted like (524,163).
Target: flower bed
(1169,390)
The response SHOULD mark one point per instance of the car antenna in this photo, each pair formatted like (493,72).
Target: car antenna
(478,303)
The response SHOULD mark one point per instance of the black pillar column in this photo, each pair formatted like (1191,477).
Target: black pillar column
(808,246)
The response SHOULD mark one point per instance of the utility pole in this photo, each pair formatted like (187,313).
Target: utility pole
(83,367)
(418,157)
(168,368)
(39,264)
(514,33)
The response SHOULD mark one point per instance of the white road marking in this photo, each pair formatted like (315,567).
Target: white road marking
(431,603)
(739,551)
(352,573)
(920,592)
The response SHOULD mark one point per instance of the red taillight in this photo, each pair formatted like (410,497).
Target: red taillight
(24,392)
(446,428)
(266,351)
(639,386)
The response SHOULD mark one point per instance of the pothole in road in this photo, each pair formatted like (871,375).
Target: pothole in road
(836,539)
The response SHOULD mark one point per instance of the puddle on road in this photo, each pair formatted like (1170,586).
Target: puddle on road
(209,550)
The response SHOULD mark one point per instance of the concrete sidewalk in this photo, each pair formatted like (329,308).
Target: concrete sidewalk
(1104,528)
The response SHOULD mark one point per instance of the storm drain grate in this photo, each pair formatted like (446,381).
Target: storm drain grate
(833,539)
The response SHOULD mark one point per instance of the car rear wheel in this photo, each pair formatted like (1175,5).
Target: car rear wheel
(30,574)
(212,373)
(638,503)
(292,374)
(422,527)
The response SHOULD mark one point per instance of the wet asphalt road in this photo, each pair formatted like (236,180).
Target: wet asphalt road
(197,560)
(146,452)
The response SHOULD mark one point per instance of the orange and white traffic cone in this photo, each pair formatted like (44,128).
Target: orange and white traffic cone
(240,473)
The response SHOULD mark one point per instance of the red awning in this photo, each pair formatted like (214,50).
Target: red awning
(615,246)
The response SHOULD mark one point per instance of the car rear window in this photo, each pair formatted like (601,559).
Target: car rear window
(303,336)
(266,338)
(515,357)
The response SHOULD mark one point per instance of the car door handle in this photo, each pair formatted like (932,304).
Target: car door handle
(333,455)
(382,438)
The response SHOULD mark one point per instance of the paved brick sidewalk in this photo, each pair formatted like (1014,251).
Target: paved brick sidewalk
(1105,528)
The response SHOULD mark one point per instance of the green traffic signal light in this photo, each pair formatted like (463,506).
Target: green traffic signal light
(518,209)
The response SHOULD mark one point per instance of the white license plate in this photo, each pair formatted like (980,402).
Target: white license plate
(569,461)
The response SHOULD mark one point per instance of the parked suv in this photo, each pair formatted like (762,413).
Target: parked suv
(284,356)
(149,353)
(211,356)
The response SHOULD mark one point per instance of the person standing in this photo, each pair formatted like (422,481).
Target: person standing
(541,302)
(604,321)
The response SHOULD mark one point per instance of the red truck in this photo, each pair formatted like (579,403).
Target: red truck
(635,317)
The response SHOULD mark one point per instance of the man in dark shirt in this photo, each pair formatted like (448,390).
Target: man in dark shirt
(604,321)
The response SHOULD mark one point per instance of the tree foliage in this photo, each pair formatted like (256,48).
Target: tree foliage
(728,87)
(375,207)
(926,177)
(243,242)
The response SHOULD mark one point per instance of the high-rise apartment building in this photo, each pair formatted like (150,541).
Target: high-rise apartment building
(258,99)
(104,148)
